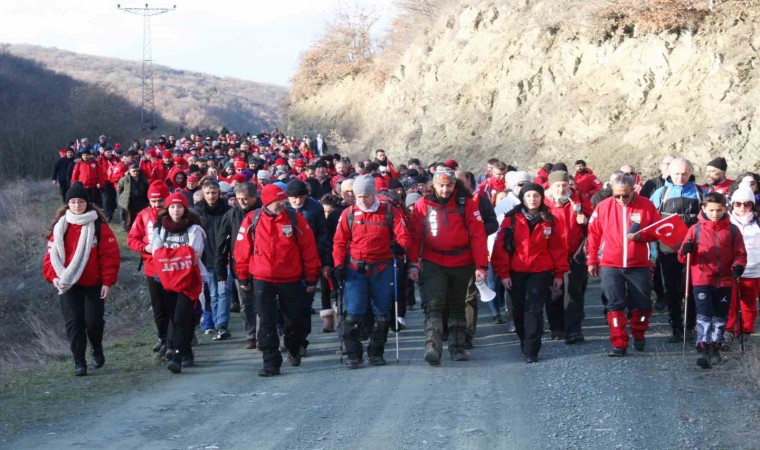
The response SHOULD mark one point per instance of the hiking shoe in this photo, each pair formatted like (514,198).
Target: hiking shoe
(468,345)
(459,355)
(175,365)
(251,344)
(639,344)
(616,352)
(159,343)
(188,361)
(497,319)
(209,331)
(530,359)
(269,371)
(354,363)
(432,357)
(169,353)
(659,304)
(294,361)
(98,358)
(302,352)
(80,368)
(377,361)
(222,334)
(574,339)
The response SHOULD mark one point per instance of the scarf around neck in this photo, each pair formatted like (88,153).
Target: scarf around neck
(69,275)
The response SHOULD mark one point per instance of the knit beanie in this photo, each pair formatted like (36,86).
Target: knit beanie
(559,167)
(263,175)
(158,190)
(364,185)
(176,199)
(743,194)
(272,193)
(77,190)
(297,188)
(412,198)
(558,176)
(513,178)
(530,186)
(719,163)
(239,165)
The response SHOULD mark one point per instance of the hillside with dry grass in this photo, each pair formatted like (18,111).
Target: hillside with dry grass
(532,81)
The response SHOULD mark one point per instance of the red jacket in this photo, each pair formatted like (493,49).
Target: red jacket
(139,236)
(88,173)
(103,264)
(723,187)
(107,168)
(542,177)
(369,240)
(490,187)
(440,234)
(574,232)
(717,251)
(587,183)
(153,170)
(540,251)
(608,228)
(276,255)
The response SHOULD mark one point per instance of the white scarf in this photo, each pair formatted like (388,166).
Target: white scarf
(372,208)
(744,220)
(68,276)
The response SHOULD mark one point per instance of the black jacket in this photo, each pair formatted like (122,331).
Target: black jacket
(314,214)
(62,170)
(212,225)
(228,231)
(488,215)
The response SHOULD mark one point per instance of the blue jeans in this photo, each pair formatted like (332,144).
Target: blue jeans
(372,287)
(220,300)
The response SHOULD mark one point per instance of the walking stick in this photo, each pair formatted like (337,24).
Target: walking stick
(686,301)
(395,301)
(738,313)
(341,324)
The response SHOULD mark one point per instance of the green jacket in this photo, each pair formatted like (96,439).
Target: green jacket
(133,194)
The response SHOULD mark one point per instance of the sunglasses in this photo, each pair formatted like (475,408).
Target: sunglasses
(744,204)
(622,196)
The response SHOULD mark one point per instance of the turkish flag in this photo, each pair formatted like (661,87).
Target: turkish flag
(670,231)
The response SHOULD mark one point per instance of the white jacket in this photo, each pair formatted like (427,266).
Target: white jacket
(750,229)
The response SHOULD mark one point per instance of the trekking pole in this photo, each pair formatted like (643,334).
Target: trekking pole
(341,324)
(395,301)
(686,301)
(739,313)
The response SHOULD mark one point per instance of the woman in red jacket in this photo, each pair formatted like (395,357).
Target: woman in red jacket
(82,262)
(530,257)
(718,261)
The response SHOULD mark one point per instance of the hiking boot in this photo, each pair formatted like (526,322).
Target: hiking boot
(269,371)
(209,331)
(377,360)
(432,357)
(530,359)
(159,343)
(714,355)
(98,358)
(168,354)
(302,352)
(294,361)
(497,319)
(328,322)
(616,352)
(235,307)
(703,360)
(574,339)
(80,368)
(639,344)
(677,337)
(175,366)
(468,345)
(251,344)
(660,304)
(188,360)
(222,334)
(354,363)
(558,335)
(459,355)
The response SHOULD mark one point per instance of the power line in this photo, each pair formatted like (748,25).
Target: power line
(148,112)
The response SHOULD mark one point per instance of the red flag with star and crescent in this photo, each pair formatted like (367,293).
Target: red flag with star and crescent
(670,231)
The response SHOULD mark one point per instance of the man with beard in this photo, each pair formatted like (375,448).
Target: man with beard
(715,173)
(585,181)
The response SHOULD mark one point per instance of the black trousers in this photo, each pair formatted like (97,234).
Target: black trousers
(95,196)
(326,292)
(577,280)
(674,279)
(108,195)
(162,315)
(182,311)
(290,300)
(63,187)
(83,311)
(530,291)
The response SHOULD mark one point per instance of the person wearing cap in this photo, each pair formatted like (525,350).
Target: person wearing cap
(211,210)
(276,257)
(89,174)
(320,179)
(680,195)
(133,194)
(263,177)
(247,201)
(82,262)
(744,215)
(369,236)
(715,175)
(448,247)
(138,240)
(657,182)
(530,258)
(625,264)
(565,311)
(178,226)
(312,210)
(586,182)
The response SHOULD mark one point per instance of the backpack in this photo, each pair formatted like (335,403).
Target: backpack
(291,216)
(698,231)
(388,219)
(684,217)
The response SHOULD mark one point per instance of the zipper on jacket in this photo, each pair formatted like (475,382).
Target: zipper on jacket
(625,239)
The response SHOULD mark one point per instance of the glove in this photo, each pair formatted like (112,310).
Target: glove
(397,249)
(339,272)
(737,271)
(688,247)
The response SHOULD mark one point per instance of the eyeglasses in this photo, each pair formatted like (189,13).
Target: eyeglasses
(743,204)
(622,196)
(77,202)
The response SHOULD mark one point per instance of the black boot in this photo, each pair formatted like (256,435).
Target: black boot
(377,341)
(80,368)
(175,366)
(433,341)
(352,327)
(703,360)
(188,359)
(159,343)
(98,358)
(457,339)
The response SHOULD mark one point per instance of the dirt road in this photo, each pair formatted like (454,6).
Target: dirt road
(575,397)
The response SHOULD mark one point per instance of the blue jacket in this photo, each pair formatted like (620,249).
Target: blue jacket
(682,200)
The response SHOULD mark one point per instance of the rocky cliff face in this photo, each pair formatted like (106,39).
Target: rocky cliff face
(535,81)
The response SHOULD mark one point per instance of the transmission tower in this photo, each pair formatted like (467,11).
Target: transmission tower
(148,113)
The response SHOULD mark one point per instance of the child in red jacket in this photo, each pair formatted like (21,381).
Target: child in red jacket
(718,258)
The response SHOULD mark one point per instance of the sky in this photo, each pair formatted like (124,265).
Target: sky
(248,39)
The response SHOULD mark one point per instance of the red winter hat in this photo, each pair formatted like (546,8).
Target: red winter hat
(451,164)
(176,199)
(280,162)
(158,190)
(300,163)
(117,146)
(152,153)
(272,193)
(192,179)
(240,178)
(167,154)
(239,165)
(180,161)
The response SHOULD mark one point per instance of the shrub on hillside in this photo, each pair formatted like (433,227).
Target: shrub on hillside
(665,15)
